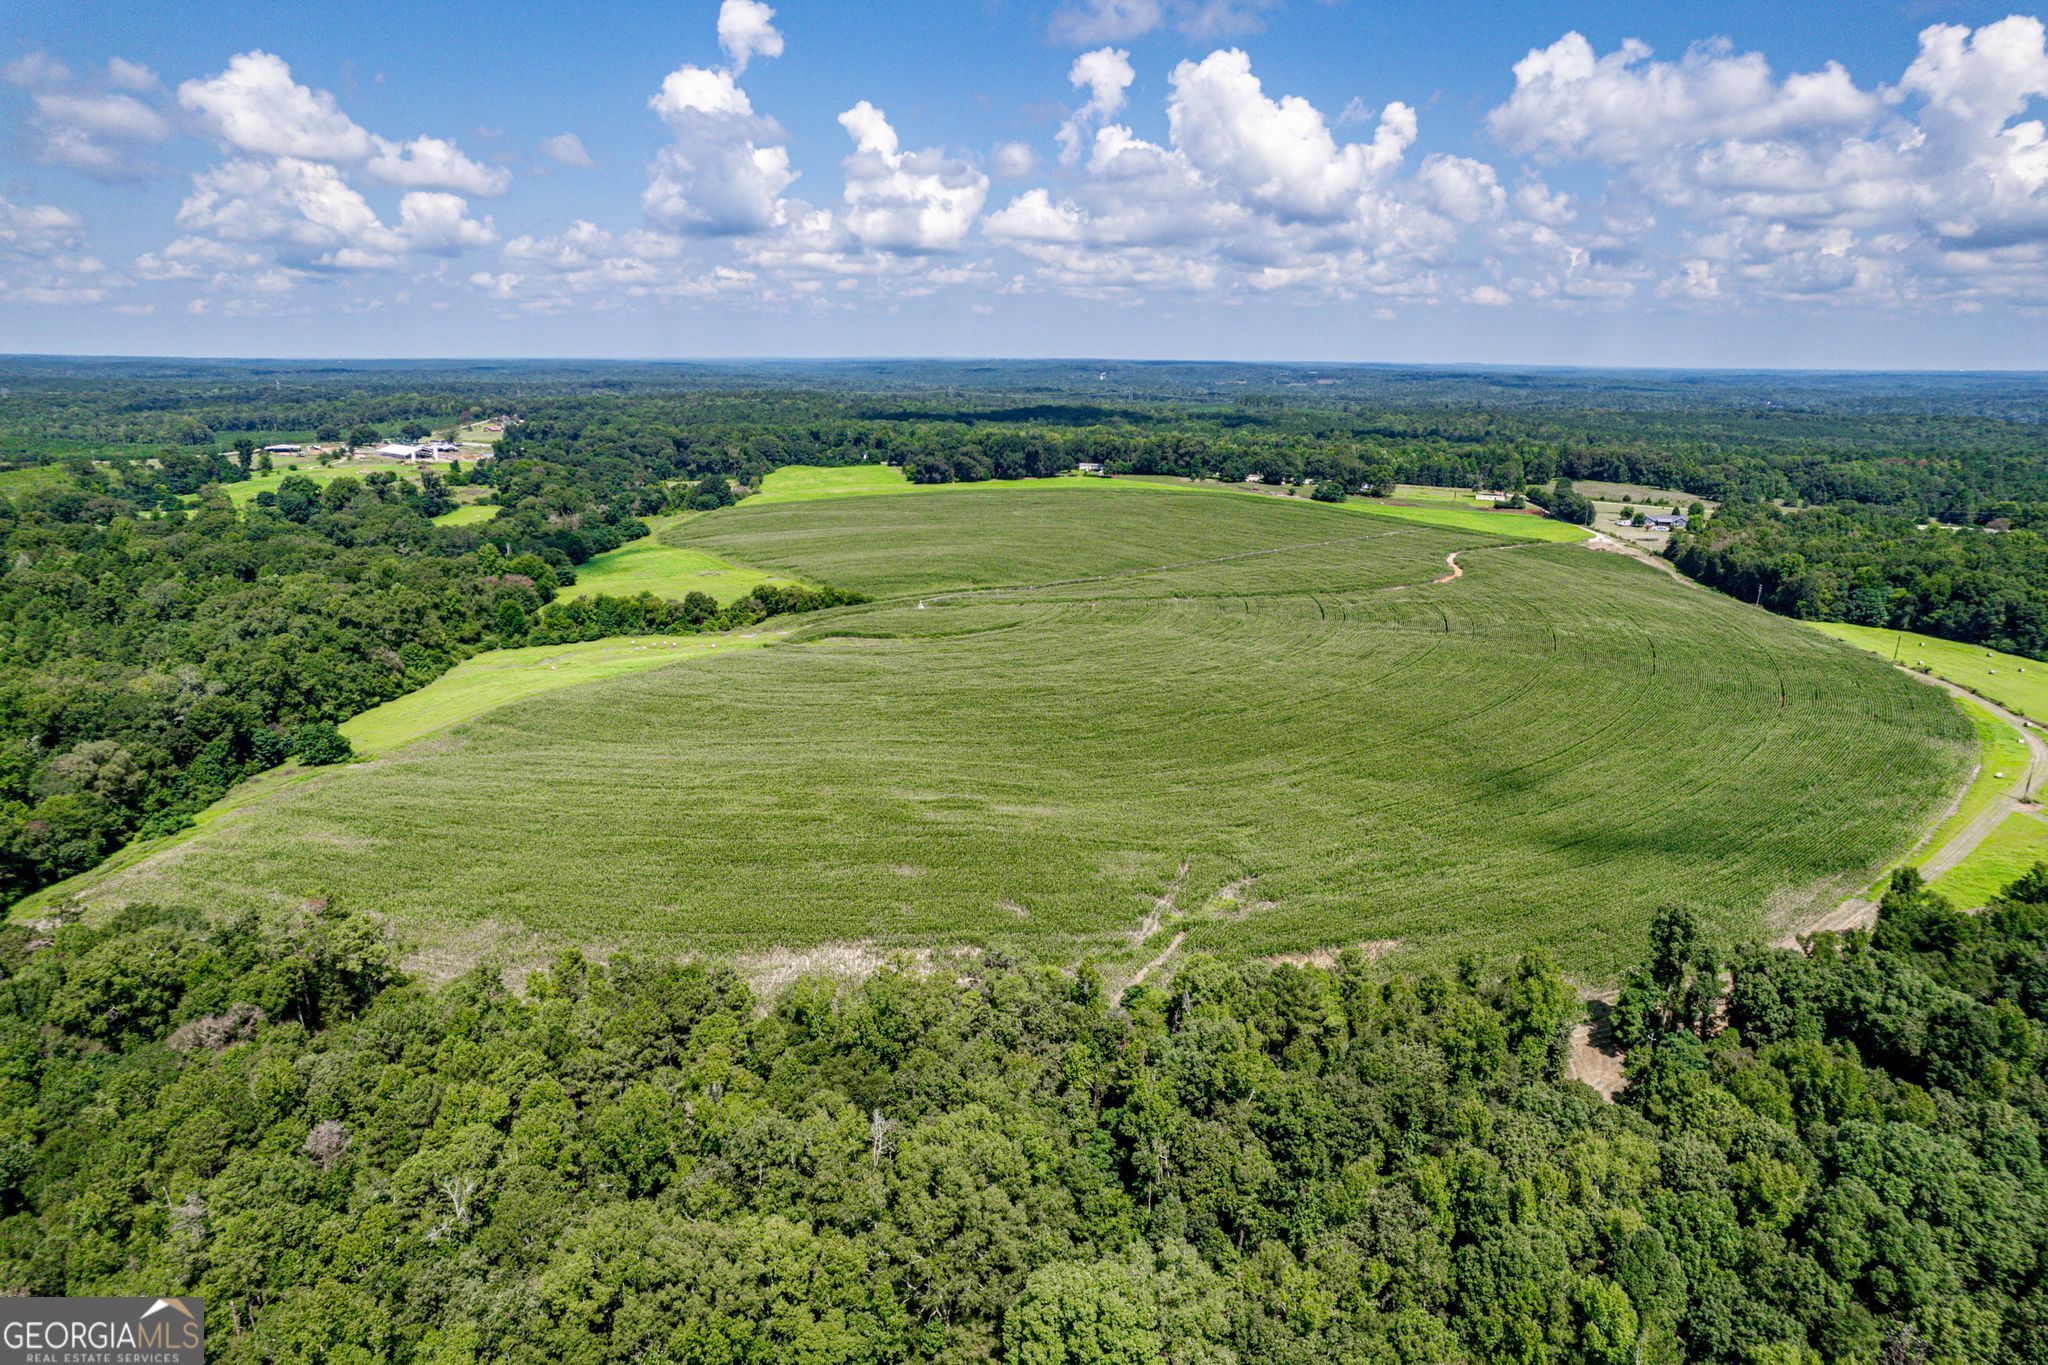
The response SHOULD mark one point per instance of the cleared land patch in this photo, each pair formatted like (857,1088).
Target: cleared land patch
(37,478)
(244,492)
(1099,690)
(469,514)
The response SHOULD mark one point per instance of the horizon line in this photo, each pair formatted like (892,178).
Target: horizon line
(885,359)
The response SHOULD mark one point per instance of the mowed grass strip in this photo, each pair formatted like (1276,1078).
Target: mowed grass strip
(1099,690)
(2020,841)
(2001,759)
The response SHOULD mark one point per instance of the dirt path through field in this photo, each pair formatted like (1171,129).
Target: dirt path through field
(1600,540)
(1456,572)
(1860,912)
(1157,963)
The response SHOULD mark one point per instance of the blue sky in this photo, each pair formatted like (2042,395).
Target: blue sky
(1842,186)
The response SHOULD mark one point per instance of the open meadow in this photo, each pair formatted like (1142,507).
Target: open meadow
(655,564)
(2013,681)
(469,514)
(1121,724)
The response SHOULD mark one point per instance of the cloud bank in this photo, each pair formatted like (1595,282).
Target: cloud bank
(1704,179)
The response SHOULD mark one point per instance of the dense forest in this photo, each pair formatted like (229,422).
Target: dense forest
(1875,566)
(1952,447)
(1827,1155)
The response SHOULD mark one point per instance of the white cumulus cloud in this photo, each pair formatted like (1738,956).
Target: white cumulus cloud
(434,163)
(905,201)
(725,169)
(255,106)
(746,30)
(1105,74)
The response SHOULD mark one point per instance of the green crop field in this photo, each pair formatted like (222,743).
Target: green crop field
(804,484)
(2013,681)
(1440,508)
(1100,723)
(656,564)
(504,676)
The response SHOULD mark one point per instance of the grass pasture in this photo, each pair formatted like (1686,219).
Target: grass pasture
(243,493)
(1116,720)
(2002,759)
(2020,841)
(804,483)
(35,478)
(1602,490)
(655,564)
(2013,681)
(469,514)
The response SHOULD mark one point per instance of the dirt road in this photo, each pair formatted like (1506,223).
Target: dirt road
(1859,912)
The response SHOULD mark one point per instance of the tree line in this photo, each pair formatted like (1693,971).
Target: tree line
(1832,1154)
(1875,567)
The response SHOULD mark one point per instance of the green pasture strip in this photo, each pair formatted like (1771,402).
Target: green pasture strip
(2020,841)
(2002,758)
(2013,681)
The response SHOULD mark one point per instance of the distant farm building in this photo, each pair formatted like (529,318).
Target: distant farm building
(1674,522)
(1089,467)
(286,449)
(399,451)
